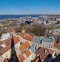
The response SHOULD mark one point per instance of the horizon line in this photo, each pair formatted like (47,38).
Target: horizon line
(31,14)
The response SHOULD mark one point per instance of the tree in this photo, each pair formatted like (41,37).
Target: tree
(36,29)
(58,39)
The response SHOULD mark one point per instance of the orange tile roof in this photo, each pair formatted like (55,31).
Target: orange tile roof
(37,60)
(57,45)
(26,36)
(16,39)
(20,58)
(27,53)
(24,45)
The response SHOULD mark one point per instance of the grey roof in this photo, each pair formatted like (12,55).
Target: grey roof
(33,48)
(36,39)
(47,40)
(41,39)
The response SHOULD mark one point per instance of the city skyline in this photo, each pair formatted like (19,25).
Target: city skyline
(29,7)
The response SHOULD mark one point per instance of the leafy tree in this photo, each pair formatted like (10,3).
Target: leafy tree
(36,29)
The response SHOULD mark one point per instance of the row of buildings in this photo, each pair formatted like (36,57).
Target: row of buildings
(24,47)
(46,19)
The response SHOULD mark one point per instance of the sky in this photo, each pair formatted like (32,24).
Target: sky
(29,7)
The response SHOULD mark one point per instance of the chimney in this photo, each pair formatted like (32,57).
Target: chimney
(45,50)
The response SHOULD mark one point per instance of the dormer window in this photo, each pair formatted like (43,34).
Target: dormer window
(3,45)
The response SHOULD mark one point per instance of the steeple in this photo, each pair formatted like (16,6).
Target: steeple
(13,57)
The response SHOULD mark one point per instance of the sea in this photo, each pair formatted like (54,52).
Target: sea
(15,16)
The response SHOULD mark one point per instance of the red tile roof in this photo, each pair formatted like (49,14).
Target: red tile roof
(8,44)
(43,52)
(1,42)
